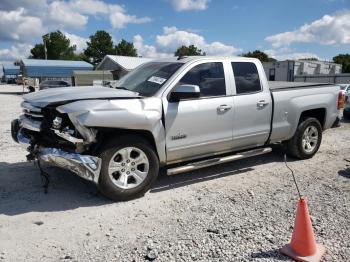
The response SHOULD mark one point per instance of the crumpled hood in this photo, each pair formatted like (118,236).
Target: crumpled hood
(70,94)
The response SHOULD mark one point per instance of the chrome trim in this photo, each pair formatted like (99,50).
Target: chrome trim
(85,166)
(29,107)
(216,161)
(68,137)
(30,113)
(29,123)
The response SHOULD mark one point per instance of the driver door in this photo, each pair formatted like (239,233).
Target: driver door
(201,126)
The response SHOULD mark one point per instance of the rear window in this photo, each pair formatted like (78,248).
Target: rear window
(246,77)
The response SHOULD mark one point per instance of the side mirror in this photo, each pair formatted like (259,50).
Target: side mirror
(184,92)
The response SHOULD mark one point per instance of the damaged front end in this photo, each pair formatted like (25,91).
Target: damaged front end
(57,139)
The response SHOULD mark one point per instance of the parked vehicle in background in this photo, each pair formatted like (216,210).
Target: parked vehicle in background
(179,113)
(53,84)
(346,110)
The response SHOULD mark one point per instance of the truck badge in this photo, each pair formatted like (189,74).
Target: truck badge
(178,136)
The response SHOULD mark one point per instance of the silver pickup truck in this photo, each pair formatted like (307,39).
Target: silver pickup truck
(178,113)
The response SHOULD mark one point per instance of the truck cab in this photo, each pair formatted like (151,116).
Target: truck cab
(179,113)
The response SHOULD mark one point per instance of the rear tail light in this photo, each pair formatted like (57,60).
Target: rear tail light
(340,100)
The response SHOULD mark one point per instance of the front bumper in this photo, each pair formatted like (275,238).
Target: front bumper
(85,166)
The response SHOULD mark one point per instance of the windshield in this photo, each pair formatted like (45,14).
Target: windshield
(148,78)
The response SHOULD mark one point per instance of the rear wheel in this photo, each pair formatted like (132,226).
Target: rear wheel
(129,167)
(306,140)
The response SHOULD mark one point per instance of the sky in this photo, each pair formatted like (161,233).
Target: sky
(284,29)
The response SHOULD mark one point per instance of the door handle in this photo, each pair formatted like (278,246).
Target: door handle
(224,108)
(262,103)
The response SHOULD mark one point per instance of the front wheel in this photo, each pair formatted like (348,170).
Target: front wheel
(129,168)
(306,140)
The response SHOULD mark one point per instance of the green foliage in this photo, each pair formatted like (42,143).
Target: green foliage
(37,52)
(57,45)
(263,57)
(99,45)
(125,48)
(344,60)
(189,51)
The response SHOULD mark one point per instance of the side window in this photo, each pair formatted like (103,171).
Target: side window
(210,78)
(246,77)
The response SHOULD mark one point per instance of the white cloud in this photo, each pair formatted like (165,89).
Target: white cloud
(187,5)
(119,18)
(27,20)
(145,50)
(172,38)
(32,5)
(17,26)
(78,41)
(91,7)
(15,52)
(286,53)
(64,16)
(76,13)
(329,30)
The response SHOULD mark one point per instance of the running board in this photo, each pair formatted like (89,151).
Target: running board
(217,161)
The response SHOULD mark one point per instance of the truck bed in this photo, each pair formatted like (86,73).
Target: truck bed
(280,85)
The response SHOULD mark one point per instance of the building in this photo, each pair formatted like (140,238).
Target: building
(290,69)
(88,77)
(9,71)
(52,69)
(121,65)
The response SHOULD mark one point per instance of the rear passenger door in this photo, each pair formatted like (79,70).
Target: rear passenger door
(200,126)
(252,106)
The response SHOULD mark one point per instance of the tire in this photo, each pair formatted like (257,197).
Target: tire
(296,147)
(123,161)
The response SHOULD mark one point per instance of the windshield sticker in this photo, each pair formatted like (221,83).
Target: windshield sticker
(157,80)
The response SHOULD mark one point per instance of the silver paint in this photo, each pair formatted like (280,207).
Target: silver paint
(211,125)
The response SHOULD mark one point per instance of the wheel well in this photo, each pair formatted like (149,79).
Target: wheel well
(319,114)
(105,134)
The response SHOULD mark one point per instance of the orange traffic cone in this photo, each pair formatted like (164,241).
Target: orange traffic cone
(303,246)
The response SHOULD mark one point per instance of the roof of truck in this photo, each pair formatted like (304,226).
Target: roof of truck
(186,59)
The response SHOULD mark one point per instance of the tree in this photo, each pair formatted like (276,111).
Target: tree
(344,60)
(263,57)
(58,46)
(189,51)
(125,48)
(99,45)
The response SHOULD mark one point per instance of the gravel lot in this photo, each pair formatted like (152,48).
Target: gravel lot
(242,211)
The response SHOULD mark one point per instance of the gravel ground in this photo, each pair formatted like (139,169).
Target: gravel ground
(242,211)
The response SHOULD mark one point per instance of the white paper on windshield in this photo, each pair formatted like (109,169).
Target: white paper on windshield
(157,80)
